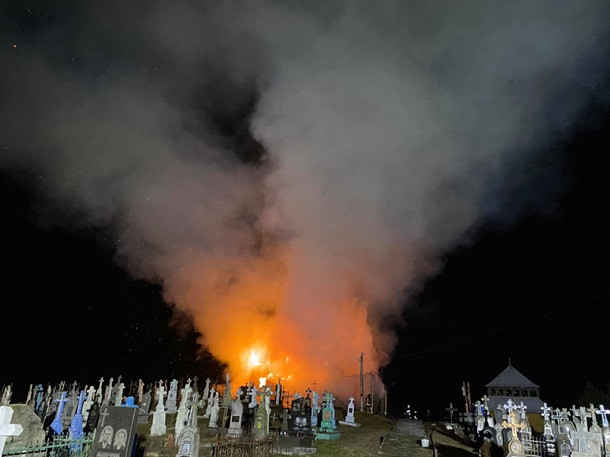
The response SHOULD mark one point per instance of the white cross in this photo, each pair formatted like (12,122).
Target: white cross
(510,406)
(6,428)
(545,411)
(522,408)
(485,399)
(603,412)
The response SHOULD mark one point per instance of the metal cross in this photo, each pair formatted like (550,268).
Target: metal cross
(510,406)
(545,411)
(513,425)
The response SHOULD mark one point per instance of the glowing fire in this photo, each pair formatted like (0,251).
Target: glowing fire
(254,359)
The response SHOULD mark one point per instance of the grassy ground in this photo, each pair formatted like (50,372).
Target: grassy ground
(357,441)
(354,441)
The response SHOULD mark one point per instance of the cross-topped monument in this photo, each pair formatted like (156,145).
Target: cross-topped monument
(451,410)
(513,425)
(56,425)
(545,411)
(6,428)
(603,412)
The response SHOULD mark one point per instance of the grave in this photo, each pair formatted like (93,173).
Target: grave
(158,427)
(349,418)
(171,396)
(6,428)
(327,425)
(237,411)
(33,434)
(116,432)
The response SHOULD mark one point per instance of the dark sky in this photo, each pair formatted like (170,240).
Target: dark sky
(526,279)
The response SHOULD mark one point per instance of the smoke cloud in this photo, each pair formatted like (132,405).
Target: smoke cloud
(289,171)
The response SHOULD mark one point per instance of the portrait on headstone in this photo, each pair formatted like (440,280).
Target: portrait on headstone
(116,432)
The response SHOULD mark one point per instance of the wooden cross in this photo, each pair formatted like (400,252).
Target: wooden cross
(513,425)
(545,411)
(603,412)
(314,384)
(6,428)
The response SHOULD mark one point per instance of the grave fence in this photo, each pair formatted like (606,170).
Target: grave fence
(539,447)
(243,446)
(56,446)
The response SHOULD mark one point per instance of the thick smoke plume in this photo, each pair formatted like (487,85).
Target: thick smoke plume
(289,171)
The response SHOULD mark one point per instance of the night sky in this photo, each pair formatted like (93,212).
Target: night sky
(526,279)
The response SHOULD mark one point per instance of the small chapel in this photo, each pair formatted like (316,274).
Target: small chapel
(511,383)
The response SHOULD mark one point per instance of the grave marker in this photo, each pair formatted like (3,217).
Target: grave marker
(6,428)
(116,433)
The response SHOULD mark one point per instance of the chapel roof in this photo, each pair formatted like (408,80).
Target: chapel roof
(511,377)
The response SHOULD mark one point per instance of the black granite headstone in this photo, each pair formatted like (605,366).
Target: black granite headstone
(116,432)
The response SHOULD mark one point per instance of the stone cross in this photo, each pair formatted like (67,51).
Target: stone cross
(582,414)
(6,428)
(513,425)
(161,394)
(56,425)
(285,416)
(451,410)
(510,406)
(119,394)
(545,411)
(603,412)
(522,409)
(254,402)
(485,399)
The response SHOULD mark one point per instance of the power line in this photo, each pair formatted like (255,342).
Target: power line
(506,327)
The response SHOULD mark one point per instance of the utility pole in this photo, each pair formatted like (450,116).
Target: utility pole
(372,396)
(361,381)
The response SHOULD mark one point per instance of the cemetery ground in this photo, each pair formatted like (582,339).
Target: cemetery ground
(377,436)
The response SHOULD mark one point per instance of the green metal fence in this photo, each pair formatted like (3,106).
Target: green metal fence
(57,446)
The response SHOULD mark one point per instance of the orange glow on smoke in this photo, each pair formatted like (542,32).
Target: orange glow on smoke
(254,317)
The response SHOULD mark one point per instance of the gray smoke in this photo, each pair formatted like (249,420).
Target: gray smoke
(386,128)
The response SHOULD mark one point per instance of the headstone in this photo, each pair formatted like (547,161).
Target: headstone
(206,392)
(33,433)
(143,413)
(99,393)
(108,392)
(6,428)
(327,425)
(349,417)
(515,447)
(214,412)
(285,416)
(278,392)
(115,433)
(210,403)
(237,411)
(171,396)
(261,424)
(118,399)
(94,414)
(315,409)
(88,403)
(188,441)
(158,427)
